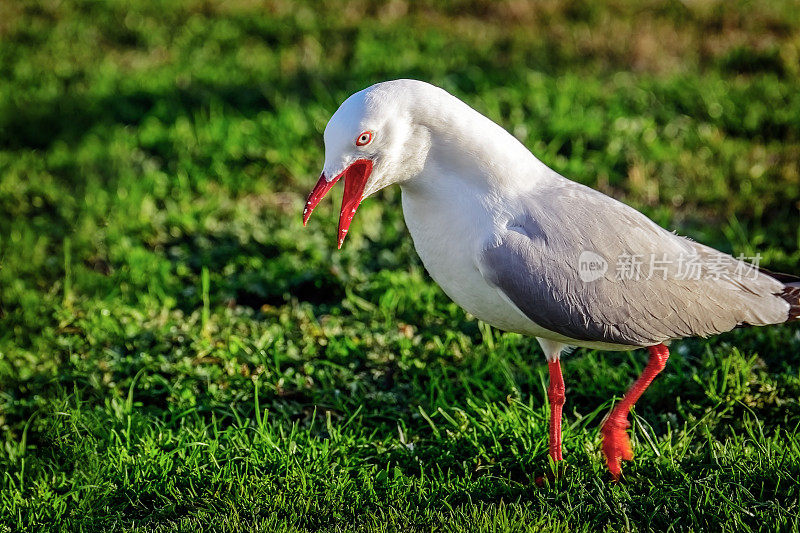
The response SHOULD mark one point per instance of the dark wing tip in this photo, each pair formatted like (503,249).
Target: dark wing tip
(791,293)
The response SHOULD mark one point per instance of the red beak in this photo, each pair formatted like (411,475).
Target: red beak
(355,179)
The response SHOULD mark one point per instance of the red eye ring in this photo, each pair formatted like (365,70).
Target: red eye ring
(364,139)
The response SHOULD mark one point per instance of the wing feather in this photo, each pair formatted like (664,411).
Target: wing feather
(534,262)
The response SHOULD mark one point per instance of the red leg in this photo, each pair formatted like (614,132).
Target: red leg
(616,445)
(555,393)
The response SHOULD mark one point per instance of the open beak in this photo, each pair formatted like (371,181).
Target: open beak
(355,179)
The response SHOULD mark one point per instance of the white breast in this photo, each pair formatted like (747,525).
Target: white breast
(449,229)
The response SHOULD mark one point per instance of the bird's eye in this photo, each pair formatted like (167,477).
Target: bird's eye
(364,139)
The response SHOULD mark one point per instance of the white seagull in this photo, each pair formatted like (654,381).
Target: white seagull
(527,250)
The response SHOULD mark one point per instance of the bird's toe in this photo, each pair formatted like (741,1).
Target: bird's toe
(616,448)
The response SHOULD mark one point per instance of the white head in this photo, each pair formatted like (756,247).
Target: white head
(372,141)
(393,131)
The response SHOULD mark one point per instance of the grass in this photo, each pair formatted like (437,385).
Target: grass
(178,353)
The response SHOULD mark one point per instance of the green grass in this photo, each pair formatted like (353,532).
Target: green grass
(178,353)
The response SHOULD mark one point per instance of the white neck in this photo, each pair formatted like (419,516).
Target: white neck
(472,148)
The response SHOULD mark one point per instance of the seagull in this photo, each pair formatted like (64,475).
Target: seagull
(526,250)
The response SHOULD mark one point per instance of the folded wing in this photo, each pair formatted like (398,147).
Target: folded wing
(655,286)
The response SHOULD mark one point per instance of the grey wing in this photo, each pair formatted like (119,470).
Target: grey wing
(588,267)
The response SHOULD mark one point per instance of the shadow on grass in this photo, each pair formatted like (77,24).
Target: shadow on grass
(251,273)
